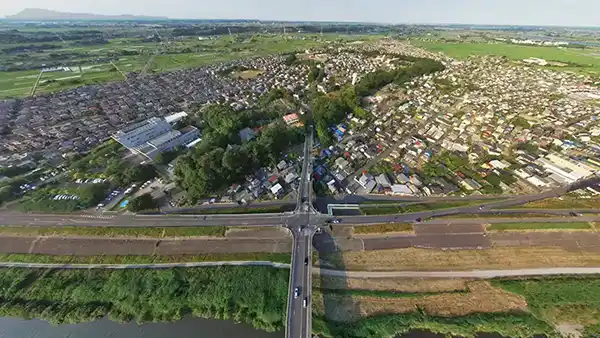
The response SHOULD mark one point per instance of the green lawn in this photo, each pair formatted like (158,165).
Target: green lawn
(578,57)
(214,231)
(539,226)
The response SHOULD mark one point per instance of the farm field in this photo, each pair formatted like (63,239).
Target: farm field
(579,60)
(133,55)
(412,259)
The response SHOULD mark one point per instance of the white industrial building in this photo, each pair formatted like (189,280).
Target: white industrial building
(168,141)
(156,135)
(139,133)
(568,170)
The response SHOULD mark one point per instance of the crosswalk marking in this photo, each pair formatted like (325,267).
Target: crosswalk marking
(97,216)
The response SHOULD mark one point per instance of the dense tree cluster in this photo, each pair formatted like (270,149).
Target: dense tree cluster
(290,59)
(143,202)
(331,109)
(221,159)
(13,171)
(374,81)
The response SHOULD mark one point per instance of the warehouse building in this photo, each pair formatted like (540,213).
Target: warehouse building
(156,135)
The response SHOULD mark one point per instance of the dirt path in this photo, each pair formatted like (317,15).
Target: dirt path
(480,274)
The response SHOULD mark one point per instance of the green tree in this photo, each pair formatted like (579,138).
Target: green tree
(313,74)
(324,134)
(92,194)
(521,122)
(349,97)
(143,202)
(290,59)
(529,147)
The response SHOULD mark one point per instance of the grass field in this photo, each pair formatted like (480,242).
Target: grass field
(579,60)
(215,231)
(441,260)
(480,297)
(383,228)
(560,300)
(539,226)
(391,284)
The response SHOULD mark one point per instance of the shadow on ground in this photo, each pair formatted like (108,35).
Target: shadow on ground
(337,306)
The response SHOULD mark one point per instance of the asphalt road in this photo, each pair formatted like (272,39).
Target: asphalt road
(300,299)
(281,219)
(285,219)
(299,310)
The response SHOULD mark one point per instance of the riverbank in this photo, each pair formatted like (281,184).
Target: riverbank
(258,295)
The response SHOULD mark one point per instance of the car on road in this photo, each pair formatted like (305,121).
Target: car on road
(296,292)
(305,302)
(481,207)
(306,261)
(575,214)
(418,220)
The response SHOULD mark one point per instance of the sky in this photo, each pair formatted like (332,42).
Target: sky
(495,12)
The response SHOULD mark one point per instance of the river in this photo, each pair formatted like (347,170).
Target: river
(189,327)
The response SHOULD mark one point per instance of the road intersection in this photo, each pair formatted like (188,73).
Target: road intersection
(305,220)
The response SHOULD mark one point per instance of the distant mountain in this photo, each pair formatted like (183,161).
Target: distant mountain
(44,15)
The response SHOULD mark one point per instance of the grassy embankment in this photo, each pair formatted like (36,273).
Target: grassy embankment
(577,60)
(483,217)
(564,203)
(51,259)
(212,231)
(385,209)
(257,295)
(383,228)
